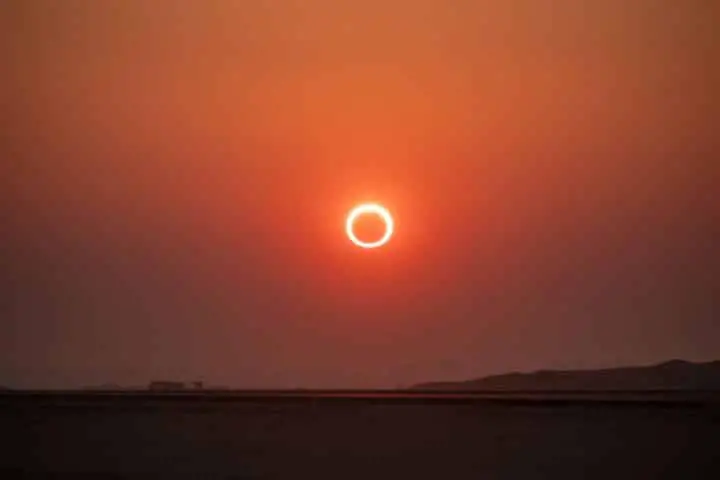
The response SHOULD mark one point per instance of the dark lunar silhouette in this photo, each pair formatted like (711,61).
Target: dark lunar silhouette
(671,375)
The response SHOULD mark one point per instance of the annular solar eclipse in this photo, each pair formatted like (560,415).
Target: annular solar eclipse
(370,209)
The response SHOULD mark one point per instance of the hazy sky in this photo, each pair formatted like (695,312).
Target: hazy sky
(176,176)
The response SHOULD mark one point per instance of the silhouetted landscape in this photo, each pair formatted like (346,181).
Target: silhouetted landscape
(671,375)
(190,433)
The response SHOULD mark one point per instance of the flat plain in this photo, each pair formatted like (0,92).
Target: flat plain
(358,435)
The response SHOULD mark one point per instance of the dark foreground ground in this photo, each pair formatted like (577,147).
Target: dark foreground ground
(357,436)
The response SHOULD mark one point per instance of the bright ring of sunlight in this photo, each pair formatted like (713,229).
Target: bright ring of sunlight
(372,209)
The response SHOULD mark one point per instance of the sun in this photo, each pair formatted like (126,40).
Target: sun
(370,209)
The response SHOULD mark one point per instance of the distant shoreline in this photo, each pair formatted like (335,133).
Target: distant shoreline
(122,400)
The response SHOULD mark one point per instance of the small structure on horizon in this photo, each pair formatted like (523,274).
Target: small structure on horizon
(166,386)
(174,386)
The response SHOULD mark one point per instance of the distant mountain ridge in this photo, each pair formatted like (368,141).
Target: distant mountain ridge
(671,375)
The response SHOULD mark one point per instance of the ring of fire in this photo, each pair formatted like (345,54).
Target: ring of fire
(372,209)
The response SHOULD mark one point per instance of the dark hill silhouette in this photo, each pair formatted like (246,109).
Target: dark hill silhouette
(672,375)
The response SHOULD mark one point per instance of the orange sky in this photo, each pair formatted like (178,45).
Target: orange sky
(218,145)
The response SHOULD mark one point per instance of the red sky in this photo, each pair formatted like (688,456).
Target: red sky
(177,176)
